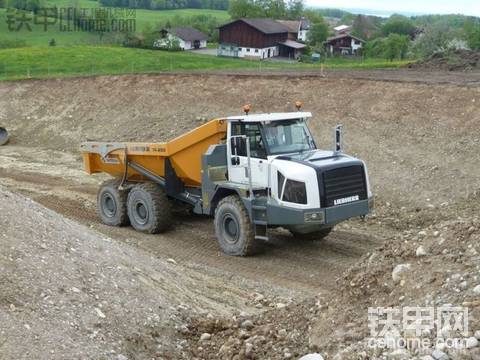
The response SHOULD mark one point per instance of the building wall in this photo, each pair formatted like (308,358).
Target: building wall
(303,35)
(184,45)
(247,52)
(355,46)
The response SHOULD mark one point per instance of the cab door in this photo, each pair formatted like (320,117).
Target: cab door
(238,160)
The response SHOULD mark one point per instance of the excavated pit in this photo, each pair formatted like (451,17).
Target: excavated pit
(420,141)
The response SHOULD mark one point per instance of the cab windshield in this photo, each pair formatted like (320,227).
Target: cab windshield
(287,136)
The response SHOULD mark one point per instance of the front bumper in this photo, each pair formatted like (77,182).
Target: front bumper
(299,219)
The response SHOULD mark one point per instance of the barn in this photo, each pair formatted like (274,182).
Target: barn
(257,39)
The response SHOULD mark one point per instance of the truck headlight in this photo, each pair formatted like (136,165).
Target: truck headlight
(317,217)
(295,192)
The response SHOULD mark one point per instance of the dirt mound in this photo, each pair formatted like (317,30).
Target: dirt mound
(69,292)
(456,60)
(442,267)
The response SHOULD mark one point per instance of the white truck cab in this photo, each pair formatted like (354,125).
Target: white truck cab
(283,179)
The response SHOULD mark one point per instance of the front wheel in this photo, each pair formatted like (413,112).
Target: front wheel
(234,231)
(313,236)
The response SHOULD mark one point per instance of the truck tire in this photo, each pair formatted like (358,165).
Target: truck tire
(112,203)
(313,236)
(233,229)
(149,208)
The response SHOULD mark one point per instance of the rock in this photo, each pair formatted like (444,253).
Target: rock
(477,334)
(400,354)
(399,272)
(121,357)
(172,261)
(427,357)
(280,305)
(259,297)
(471,342)
(463,285)
(247,324)
(476,289)
(205,337)
(100,313)
(248,349)
(439,355)
(282,333)
(313,356)
(421,251)
(422,233)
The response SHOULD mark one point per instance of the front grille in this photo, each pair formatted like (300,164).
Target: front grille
(343,185)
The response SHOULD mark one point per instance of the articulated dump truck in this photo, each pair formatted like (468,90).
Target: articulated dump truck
(250,172)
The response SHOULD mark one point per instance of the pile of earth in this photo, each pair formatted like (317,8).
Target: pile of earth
(68,292)
(453,60)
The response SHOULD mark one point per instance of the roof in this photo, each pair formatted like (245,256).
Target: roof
(266,26)
(188,33)
(293,44)
(341,28)
(271,117)
(292,25)
(341,36)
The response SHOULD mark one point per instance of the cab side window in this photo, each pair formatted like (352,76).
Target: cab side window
(252,131)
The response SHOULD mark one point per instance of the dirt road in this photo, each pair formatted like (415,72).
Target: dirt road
(301,267)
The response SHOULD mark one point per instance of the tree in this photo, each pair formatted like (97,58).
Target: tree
(243,8)
(396,46)
(398,24)
(318,33)
(472,33)
(295,9)
(435,38)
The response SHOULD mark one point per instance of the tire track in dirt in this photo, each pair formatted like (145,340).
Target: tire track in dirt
(301,266)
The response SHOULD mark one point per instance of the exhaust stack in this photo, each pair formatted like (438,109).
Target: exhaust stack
(3,136)
(338,139)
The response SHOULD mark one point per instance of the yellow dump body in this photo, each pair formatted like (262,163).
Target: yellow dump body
(185,154)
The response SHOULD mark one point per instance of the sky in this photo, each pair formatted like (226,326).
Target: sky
(466,7)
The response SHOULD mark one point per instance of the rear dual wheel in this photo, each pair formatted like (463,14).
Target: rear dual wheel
(112,203)
(149,208)
(145,206)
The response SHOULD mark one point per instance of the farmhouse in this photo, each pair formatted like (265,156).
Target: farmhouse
(188,38)
(257,39)
(344,44)
(297,29)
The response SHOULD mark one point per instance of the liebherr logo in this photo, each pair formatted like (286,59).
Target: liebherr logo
(346,200)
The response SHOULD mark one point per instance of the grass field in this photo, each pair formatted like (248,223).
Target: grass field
(43,62)
(39,37)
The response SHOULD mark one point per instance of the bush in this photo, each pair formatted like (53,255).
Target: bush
(394,46)
(8,44)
